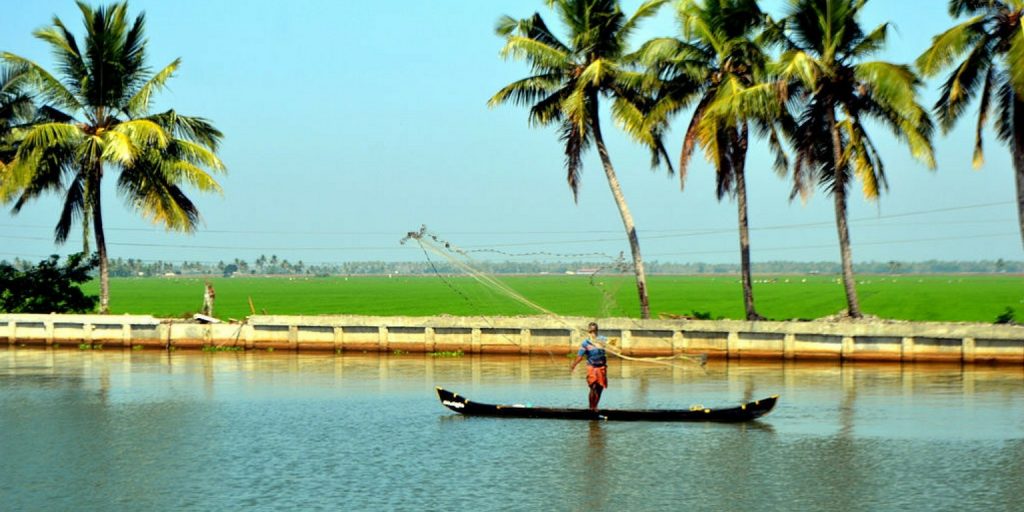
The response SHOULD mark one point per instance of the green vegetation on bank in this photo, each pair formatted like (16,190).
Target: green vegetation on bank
(47,287)
(902,297)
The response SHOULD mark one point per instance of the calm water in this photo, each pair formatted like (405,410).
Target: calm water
(139,430)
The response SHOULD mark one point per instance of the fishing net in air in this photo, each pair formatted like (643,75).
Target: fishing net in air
(436,249)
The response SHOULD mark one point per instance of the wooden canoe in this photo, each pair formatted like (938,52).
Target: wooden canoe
(746,412)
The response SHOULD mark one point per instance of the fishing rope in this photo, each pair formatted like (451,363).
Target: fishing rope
(458,258)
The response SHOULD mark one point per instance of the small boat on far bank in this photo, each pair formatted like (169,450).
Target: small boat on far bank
(746,412)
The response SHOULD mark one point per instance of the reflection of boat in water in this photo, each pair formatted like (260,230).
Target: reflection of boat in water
(746,412)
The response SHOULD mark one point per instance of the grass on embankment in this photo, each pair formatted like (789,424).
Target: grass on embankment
(910,297)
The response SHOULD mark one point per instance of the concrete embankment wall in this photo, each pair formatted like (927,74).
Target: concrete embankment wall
(852,340)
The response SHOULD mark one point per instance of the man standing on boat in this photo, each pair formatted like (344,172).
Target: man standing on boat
(208,297)
(597,363)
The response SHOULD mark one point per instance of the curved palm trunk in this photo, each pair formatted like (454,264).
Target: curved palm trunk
(839,193)
(740,161)
(627,219)
(101,242)
(1018,157)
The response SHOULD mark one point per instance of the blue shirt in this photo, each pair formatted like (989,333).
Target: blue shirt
(595,353)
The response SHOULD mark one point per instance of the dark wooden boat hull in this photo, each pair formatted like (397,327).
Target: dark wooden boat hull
(746,412)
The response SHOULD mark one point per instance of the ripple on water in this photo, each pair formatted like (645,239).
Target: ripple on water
(365,432)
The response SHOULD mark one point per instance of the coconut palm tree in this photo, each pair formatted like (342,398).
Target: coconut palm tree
(834,92)
(100,121)
(991,44)
(717,60)
(569,78)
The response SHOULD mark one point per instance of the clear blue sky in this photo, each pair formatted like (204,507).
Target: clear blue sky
(349,124)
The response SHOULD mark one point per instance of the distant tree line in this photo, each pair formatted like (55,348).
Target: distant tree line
(264,266)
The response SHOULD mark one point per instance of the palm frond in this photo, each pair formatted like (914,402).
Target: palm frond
(632,120)
(889,84)
(597,72)
(542,57)
(959,8)
(857,152)
(872,42)
(48,113)
(90,150)
(577,109)
(710,136)
(15,176)
(575,143)
(183,171)
(659,50)
(16,107)
(770,132)
(797,65)
(192,128)
(31,174)
(983,111)
(146,188)
(143,132)
(549,110)
(961,86)
(909,123)
(44,135)
(1003,122)
(73,210)
(950,45)
(51,89)
(690,140)
(532,28)
(194,154)
(646,10)
(1015,59)
(139,103)
(118,147)
(735,102)
(527,91)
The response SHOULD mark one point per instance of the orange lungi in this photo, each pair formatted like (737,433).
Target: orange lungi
(597,375)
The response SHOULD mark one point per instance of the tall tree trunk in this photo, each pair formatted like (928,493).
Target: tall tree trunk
(1018,157)
(101,242)
(627,219)
(839,195)
(739,163)
(86,218)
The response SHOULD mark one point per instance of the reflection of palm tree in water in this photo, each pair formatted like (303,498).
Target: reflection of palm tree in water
(104,388)
(847,404)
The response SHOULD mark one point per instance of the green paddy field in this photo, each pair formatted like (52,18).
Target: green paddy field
(975,298)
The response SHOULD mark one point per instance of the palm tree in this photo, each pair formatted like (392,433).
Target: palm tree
(717,60)
(568,80)
(99,121)
(834,91)
(991,44)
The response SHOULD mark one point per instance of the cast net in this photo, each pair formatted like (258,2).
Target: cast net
(436,250)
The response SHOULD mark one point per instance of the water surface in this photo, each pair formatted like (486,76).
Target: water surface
(137,430)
